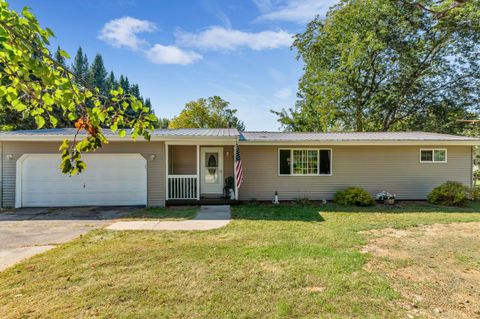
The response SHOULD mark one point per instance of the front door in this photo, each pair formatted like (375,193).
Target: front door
(211,163)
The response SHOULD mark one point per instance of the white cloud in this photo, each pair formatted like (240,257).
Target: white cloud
(169,54)
(283,94)
(123,32)
(299,11)
(222,39)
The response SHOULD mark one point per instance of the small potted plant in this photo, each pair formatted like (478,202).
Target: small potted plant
(388,199)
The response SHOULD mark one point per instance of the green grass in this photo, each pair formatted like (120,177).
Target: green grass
(173,213)
(270,261)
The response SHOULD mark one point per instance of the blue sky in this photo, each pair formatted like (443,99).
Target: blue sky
(178,51)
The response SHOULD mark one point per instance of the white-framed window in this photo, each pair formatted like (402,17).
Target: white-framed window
(433,155)
(304,161)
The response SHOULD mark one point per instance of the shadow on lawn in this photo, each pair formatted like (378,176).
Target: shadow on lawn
(307,213)
(312,212)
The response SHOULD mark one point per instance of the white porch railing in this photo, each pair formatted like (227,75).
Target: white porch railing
(182,187)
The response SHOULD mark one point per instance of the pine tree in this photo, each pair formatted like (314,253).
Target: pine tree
(60,58)
(135,91)
(124,84)
(111,82)
(148,103)
(97,75)
(80,65)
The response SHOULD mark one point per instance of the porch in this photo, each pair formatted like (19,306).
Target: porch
(197,173)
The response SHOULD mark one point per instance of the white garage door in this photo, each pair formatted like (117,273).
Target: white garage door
(109,180)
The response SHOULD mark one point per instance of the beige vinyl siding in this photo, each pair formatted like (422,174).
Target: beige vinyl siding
(396,169)
(182,159)
(228,161)
(155,168)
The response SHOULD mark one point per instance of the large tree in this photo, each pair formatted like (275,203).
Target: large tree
(375,65)
(213,112)
(36,86)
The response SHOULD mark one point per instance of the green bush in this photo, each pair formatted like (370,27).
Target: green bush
(354,196)
(450,194)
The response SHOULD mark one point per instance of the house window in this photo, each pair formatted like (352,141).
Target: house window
(433,156)
(304,162)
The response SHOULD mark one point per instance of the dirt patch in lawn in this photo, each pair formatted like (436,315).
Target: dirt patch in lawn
(436,267)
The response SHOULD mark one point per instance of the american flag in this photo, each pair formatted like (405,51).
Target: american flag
(238,168)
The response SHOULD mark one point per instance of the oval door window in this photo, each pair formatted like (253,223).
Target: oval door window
(211,176)
(212,161)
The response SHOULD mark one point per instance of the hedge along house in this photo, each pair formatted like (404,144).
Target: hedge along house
(193,164)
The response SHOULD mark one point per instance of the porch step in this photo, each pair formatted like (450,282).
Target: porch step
(202,201)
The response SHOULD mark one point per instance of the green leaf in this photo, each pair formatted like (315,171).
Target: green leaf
(18,106)
(64,54)
(121,133)
(40,121)
(53,120)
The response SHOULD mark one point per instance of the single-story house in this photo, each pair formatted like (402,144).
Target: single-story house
(193,164)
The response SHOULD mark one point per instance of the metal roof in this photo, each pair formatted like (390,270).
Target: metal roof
(256,137)
(188,132)
(350,136)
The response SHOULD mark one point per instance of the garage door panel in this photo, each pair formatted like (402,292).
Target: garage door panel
(110,179)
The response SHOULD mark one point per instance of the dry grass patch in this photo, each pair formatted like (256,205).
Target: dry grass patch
(436,267)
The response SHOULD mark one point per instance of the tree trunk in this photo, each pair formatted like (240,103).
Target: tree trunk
(359,118)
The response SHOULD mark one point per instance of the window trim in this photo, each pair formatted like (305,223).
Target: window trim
(291,149)
(433,161)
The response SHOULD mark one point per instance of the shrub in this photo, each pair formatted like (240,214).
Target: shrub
(354,196)
(476,193)
(303,201)
(449,194)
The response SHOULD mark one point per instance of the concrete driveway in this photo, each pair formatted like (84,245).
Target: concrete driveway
(27,232)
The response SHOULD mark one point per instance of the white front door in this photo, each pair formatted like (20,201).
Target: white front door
(211,167)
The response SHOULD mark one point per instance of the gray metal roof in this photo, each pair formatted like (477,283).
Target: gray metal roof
(210,132)
(350,136)
(258,136)
(193,132)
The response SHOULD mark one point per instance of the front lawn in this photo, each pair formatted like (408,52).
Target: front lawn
(271,261)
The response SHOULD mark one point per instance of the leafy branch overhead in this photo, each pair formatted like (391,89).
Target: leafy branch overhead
(37,86)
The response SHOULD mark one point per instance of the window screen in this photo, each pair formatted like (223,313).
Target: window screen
(427,156)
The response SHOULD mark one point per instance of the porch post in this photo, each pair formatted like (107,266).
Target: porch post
(166,171)
(198,172)
(235,171)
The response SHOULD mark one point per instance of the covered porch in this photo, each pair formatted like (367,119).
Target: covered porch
(200,172)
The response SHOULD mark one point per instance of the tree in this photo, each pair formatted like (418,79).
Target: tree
(111,82)
(80,66)
(60,58)
(213,112)
(97,75)
(135,91)
(388,65)
(124,83)
(163,123)
(36,86)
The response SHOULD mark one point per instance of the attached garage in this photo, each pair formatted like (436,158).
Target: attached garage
(110,179)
